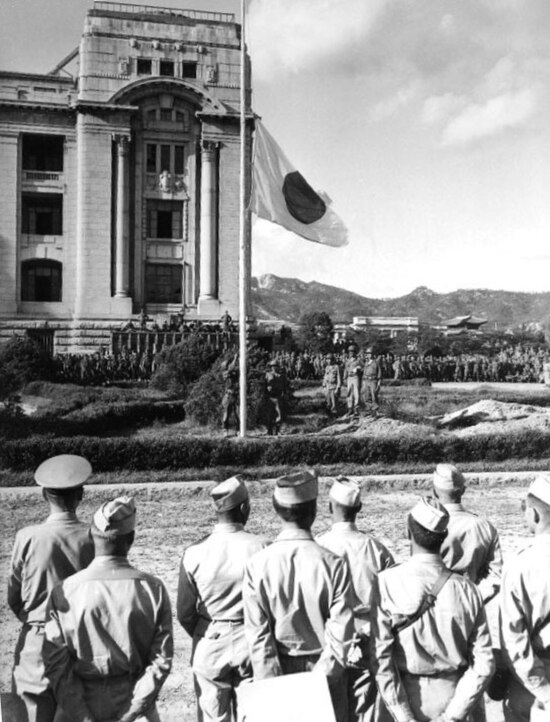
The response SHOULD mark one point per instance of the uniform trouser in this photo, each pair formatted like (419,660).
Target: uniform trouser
(29,680)
(330,396)
(520,705)
(353,393)
(108,698)
(428,696)
(336,683)
(229,410)
(361,689)
(220,662)
(372,390)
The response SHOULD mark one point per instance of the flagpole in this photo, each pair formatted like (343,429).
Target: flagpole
(243,255)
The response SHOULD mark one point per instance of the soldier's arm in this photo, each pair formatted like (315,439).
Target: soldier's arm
(481,668)
(339,627)
(515,638)
(148,686)
(186,604)
(490,584)
(388,680)
(15,600)
(258,632)
(59,664)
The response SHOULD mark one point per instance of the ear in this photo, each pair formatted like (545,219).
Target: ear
(536,514)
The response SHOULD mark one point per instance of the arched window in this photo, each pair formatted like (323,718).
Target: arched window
(41,280)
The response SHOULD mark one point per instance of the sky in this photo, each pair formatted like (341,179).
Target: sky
(427,122)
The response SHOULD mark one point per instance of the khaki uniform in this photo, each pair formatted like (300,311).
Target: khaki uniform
(472,548)
(366,556)
(353,376)
(109,642)
(525,630)
(443,661)
(210,608)
(332,382)
(43,556)
(373,379)
(298,603)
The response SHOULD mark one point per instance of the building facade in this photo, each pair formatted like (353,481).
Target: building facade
(120,177)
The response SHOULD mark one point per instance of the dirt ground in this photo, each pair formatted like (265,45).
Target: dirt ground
(169,518)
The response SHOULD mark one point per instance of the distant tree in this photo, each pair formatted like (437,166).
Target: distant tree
(316,332)
(22,360)
(431,341)
(179,366)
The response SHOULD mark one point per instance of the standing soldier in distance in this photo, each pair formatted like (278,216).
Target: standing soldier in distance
(427,666)
(298,599)
(210,606)
(366,556)
(230,399)
(109,643)
(276,386)
(44,555)
(372,371)
(332,383)
(353,377)
(525,614)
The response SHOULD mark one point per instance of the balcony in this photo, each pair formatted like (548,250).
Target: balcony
(42,179)
(34,239)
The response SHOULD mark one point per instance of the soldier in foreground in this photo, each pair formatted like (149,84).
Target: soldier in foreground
(298,598)
(472,546)
(366,556)
(431,644)
(372,378)
(353,378)
(109,644)
(525,614)
(332,383)
(43,556)
(210,606)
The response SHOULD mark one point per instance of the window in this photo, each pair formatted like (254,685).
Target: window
(166,67)
(144,66)
(166,115)
(164,157)
(163,282)
(164,219)
(189,70)
(42,214)
(41,280)
(43,153)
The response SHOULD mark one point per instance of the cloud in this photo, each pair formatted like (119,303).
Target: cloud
(438,108)
(389,106)
(479,120)
(298,35)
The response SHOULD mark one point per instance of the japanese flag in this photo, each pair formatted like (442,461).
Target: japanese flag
(282,195)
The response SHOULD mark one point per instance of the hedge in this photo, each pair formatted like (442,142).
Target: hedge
(131,454)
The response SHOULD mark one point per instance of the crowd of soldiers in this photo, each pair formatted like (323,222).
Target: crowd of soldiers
(410,641)
(513,364)
(103,368)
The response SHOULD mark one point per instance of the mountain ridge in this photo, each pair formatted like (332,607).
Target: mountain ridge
(287,299)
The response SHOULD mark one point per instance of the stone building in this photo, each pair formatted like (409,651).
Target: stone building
(120,176)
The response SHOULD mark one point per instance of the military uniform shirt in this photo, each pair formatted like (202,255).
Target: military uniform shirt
(452,636)
(108,621)
(298,601)
(472,548)
(43,556)
(211,576)
(525,607)
(366,556)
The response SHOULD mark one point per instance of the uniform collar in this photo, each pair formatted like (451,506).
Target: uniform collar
(227,527)
(454,506)
(344,526)
(61,516)
(429,558)
(288,534)
(110,560)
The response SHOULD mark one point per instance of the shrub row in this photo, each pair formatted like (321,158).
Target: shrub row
(112,454)
(94,419)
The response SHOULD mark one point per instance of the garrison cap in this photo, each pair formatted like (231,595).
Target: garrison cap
(541,488)
(296,488)
(66,471)
(448,478)
(229,494)
(117,517)
(346,492)
(430,514)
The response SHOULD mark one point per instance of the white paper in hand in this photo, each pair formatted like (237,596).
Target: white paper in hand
(302,697)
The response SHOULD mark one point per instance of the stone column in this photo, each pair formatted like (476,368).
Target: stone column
(209,222)
(122,268)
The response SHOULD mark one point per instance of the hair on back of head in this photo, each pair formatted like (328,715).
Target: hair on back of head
(429,540)
(301,514)
(541,506)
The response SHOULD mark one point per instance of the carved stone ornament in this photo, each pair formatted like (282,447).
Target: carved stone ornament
(211,74)
(123,66)
(165,182)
